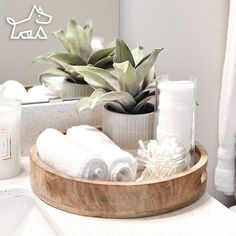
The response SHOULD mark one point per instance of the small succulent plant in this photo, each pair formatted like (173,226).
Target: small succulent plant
(77,41)
(128,88)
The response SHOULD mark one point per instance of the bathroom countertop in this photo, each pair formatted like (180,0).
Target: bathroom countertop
(205,217)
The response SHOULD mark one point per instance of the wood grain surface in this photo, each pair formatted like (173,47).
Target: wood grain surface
(118,199)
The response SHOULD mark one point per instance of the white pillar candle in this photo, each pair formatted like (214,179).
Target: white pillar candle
(10,124)
(176,106)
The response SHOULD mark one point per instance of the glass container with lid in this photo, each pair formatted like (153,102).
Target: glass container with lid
(160,159)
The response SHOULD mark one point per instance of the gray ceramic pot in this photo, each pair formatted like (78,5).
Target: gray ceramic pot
(71,90)
(126,129)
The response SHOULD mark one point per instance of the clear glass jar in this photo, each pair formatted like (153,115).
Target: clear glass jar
(159,159)
(10,135)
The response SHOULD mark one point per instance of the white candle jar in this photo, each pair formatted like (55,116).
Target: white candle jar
(10,125)
(176,113)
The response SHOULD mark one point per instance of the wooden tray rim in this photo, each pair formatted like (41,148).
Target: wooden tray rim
(199,149)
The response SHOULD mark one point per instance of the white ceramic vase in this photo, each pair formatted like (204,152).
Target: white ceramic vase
(126,129)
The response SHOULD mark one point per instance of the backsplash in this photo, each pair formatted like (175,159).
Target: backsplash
(60,116)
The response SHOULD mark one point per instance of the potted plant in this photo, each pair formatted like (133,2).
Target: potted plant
(128,116)
(77,40)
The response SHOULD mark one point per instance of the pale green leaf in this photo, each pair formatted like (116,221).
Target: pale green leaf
(61,59)
(146,64)
(61,36)
(88,28)
(117,107)
(105,63)
(151,87)
(52,72)
(107,76)
(90,102)
(43,58)
(96,81)
(99,55)
(123,98)
(83,104)
(123,53)
(127,76)
(140,107)
(149,78)
(117,100)
(77,39)
(137,54)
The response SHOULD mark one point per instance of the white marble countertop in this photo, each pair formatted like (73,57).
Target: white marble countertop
(205,217)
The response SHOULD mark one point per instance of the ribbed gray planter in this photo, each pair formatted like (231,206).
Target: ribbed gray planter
(126,129)
(71,90)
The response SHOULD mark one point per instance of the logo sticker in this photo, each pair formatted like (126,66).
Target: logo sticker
(33,29)
(5,146)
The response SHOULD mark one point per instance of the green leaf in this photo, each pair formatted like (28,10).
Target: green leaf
(141,96)
(89,72)
(95,96)
(88,28)
(105,63)
(117,107)
(43,58)
(77,39)
(100,96)
(99,55)
(127,76)
(61,36)
(96,81)
(61,59)
(83,104)
(52,72)
(73,35)
(140,107)
(137,54)
(151,86)
(116,99)
(68,59)
(123,98)
(145,65)
(149,78)
(123,53)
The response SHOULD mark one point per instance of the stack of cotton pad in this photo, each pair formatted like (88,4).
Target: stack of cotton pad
(176,111)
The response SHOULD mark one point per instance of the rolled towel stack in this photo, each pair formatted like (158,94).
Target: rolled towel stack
(176,111)
(71,158)
(121,164)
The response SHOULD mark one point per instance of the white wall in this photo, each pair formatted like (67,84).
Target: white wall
(193,34)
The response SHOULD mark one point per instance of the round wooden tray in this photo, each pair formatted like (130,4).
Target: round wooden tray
(118,199)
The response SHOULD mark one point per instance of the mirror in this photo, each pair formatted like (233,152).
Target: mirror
(26,32)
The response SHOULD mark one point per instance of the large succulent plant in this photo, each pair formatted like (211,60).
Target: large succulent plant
(129,89)
(77,41)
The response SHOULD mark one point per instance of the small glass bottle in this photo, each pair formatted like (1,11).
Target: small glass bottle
(10,136)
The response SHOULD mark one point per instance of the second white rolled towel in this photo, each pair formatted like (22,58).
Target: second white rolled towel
(121,164)
(69,157)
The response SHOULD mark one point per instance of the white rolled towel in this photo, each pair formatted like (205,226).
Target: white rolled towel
(122,165)
(71,158)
